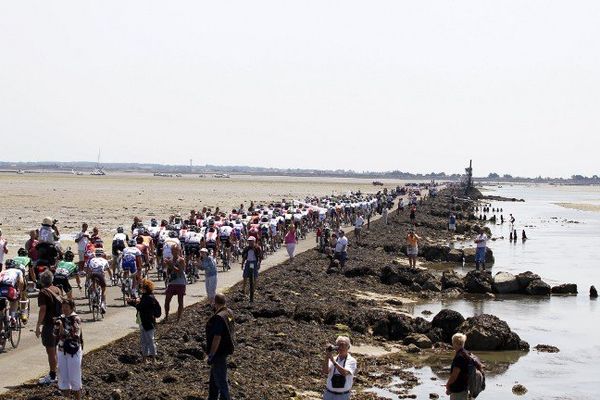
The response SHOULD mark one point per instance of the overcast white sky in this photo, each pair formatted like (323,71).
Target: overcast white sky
(418,86)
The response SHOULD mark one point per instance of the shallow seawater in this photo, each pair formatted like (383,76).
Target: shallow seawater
(560,250)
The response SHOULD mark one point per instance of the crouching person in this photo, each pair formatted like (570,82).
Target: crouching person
(340,370)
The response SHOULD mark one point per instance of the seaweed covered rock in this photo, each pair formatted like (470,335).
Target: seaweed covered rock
(419,340)
(525,278)
(451,280)
(361,270)
(565,288)
(538,288)
(478,282)
(487,332)
(448,321)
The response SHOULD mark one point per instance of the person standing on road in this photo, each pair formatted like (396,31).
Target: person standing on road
(220,343)
(3,249)
(82,239)
(30,246)
(67,330)
(210,274)
(49,302)
(290,241)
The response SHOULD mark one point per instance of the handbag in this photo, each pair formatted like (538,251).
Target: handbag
(338,381)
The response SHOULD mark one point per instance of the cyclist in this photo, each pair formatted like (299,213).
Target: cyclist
(265,229)
(149,242)
(192,245)
(64,270)
(95,269)
(12,285)
(144,249)
(24,263)
(131,264)
(211,238)
(119,243)
(225,237)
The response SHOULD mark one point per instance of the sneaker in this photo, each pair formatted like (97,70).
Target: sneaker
(103,309)
(47,380)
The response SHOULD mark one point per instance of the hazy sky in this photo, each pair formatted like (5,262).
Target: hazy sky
(418,86)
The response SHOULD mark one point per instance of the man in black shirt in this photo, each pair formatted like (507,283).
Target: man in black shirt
(457,385)
(219,344)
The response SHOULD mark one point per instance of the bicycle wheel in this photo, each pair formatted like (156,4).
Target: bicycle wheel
(90,302)
(96,314)
(124,291)
(3,334)
(15,333)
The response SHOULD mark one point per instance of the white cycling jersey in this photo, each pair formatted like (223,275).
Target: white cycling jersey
(10,276)
(225,231)
(97,265)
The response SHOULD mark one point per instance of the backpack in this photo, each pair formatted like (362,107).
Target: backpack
(156,310)
(71,346)
(475,376)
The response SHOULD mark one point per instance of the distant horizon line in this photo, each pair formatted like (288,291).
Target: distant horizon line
(245,169)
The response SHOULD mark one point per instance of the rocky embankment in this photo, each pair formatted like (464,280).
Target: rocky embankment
(301,306)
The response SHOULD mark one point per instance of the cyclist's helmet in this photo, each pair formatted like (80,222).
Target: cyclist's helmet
(153,222)
(131,243)
(69,256)
(99,252)
(22,252)
(211,222)
(120,229)
(141,231)
(10,264)
(172,234)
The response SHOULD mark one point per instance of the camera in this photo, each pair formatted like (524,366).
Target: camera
(331,348)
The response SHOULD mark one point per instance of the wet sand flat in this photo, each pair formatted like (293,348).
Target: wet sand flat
(113,200)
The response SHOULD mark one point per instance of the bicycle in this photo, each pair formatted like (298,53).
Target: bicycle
(126,289)
(225,259)
(190,271)
(11,331)
(95,299)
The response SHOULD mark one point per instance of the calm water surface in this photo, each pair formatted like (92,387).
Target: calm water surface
(560,252)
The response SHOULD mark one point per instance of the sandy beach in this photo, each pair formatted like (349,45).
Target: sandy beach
(113,200)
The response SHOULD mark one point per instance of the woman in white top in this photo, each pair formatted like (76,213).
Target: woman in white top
(340,370)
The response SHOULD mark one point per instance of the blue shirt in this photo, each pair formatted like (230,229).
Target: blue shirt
(210,266)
